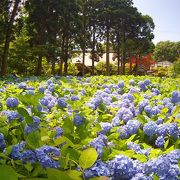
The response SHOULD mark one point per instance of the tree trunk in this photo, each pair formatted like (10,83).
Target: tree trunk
(83,61)
(107,51)
(4,63)
(66,56)
(123,53)
(118,52)
(93,51)
(84,40)
(62,56)
(39,66)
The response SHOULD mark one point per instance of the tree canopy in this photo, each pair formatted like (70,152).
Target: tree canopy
(167,51)
(34,32)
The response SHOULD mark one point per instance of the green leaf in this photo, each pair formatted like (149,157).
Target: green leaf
(7,172)
(88,158)
(74,174)
(54,174)
(155,177)
(62,140)
(166,144)
(30,99)
(131,138)
(23,112)
(140,157)
(142,119)
(176,111)
(33,140)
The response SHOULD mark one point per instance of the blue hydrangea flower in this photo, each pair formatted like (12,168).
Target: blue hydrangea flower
(49,81)
(160,142)
(22,85)
(155,91)
(142,104)
(142,86)
(150,128)
(141,176)
(78,120)
(75,98)
(125,114)
(98,169)
(131,82)
(106,127)
(59,132)
(51,87)
(133,126)
(62,103)
(148,110)
(162,129)
(45,156)
(133,90)
(41,89)
(107,91)
(32,127)
(115,121)
(11,115)
(128,96)
(159,121)
(147,82)
(12,102)
(17,149)
(174,156)
(175,97)
(99,143)
(2,141)
(49,101)
(122,167)
(173,130)
(121,84)
(29,156)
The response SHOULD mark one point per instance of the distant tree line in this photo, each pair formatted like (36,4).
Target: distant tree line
(34,33)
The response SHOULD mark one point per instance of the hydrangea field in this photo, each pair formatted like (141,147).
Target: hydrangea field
(98,128)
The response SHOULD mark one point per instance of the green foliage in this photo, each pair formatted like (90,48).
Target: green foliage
(166,51)
(101,68)
(177,67)
(88,158)
(7,172)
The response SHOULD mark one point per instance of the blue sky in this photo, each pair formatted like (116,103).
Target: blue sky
(166,16)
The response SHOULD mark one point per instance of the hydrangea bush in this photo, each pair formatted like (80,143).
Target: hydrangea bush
(117,128)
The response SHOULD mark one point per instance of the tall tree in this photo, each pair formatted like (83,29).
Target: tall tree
(8,33)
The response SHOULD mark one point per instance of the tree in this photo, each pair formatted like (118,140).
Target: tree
(9,19)
(167,51)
